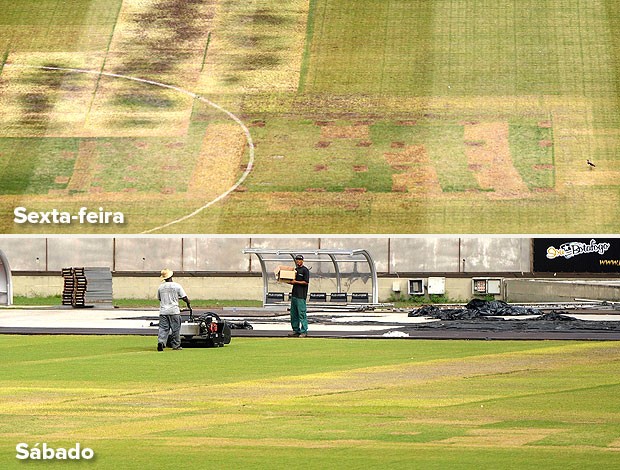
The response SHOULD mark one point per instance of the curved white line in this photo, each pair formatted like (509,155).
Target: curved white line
(246,131)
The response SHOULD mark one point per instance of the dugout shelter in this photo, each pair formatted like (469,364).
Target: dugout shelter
(6,283)
(342,267)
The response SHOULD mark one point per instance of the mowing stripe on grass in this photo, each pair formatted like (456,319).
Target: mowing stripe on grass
(4,57)
(204,57)
(305,60)
(357,403)
(107,51)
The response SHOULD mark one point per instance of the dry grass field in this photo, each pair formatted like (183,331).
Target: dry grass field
(364,117)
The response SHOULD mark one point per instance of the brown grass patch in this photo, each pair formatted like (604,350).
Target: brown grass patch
(419,180)
(360,168)
(315,190)
(320,167)
(152,37)
(58,192)
(545,124)
(499,437)
(397,145)
(492,160)
(218,164)
(67,155)
(354,190)
(413,154)
(61,180)
(345,132)
(418,174)
(322,144)
(364,143)
(84,167)
(407,123)
(545,143)
(175,145)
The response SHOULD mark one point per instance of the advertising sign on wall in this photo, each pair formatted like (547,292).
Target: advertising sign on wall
(577,255)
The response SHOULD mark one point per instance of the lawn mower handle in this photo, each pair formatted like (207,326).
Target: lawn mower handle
(191,313)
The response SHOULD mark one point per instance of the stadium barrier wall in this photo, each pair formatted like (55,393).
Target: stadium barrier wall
(220,287)
(392,255)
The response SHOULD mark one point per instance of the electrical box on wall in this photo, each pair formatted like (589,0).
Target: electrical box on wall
(436,285)
(478,286)
(494,286)
(486,286)
(415,286)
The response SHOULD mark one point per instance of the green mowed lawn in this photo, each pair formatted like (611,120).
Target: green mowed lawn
(314,403)
(461,47)
(453,116)
(57,25)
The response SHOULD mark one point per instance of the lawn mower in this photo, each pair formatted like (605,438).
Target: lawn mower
(206,330)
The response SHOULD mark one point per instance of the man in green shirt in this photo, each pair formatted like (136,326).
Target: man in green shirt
(299,317)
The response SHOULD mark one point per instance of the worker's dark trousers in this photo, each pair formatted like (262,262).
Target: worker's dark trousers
(170,325)
(299,318)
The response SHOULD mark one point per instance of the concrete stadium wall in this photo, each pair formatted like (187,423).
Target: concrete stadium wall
(392,255)
(218,287)
(549,290)
(250,288)
(216,268)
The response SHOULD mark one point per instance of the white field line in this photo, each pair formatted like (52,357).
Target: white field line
(246,131)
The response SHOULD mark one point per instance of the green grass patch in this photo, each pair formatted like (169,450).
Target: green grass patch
(295,157)
(459,47)
(443,144)
(532,153)
(31,166)
(374,47)
(57,25)
(348,403)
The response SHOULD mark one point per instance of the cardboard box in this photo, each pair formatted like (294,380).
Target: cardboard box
(285,273)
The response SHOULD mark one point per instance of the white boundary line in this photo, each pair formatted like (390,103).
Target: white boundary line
(246,131)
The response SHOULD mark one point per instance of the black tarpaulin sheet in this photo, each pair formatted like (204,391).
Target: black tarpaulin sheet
(483,314)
